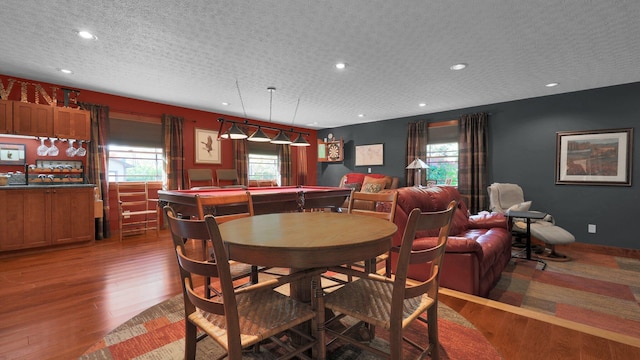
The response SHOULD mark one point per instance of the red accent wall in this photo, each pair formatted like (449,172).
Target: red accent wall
(193,118)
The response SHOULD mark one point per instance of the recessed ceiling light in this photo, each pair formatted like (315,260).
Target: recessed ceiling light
(341,66)
(66,71)
(458,66)
(361,115)
(87,35)
(422,104)
(552,84)
(225,103)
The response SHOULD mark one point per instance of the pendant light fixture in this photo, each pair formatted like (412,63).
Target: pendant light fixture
(259,136)
(234,132)
(281,138)
(299,141)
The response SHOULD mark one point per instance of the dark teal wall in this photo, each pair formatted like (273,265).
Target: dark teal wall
(522,137)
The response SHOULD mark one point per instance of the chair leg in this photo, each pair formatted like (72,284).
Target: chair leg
(318,330)
(190,340)
(253,278)
(395,345)
(432,323)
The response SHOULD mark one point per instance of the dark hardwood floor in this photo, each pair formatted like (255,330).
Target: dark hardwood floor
(55,305)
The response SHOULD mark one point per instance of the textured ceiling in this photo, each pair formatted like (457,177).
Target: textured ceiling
(193,53)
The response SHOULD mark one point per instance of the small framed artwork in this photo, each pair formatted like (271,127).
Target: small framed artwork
(598,157)
(370,155)
(207,147)
(12,154)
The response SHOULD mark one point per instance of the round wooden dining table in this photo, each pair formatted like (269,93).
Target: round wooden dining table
(304,240)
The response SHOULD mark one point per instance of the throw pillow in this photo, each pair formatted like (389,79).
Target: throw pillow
(354,178)
(373,185)
(523,206)
(355,186)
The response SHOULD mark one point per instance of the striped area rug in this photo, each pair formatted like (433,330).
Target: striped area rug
(598,290)
(158,333)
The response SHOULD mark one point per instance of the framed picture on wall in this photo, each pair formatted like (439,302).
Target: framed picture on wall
(598,157)
(370,155)
(207,147)
(12,154)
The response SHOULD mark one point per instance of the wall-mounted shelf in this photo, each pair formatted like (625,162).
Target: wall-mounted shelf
(54,172)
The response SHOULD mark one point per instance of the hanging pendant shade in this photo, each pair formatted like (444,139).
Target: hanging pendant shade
(281,138)
(234,132)
(300,141)
(259,136)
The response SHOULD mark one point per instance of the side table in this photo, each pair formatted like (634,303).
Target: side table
(527,215)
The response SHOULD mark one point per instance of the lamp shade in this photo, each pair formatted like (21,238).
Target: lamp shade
(300,141)
(281,138)
(259,136)
(234,132)
(417,164)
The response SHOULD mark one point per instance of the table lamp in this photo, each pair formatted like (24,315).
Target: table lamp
(419,165)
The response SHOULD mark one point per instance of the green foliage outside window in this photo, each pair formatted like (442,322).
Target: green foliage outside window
(442,162)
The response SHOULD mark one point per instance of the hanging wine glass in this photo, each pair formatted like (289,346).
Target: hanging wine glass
(81,151)
(53,150)
(42,149)
(71,151)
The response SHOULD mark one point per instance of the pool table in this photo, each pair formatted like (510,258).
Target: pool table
(266,200)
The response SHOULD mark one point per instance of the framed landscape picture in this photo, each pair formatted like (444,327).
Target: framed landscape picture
(598,157)
(370,155)
(207,147)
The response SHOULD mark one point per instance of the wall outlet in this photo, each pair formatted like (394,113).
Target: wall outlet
(591,228)
(369,170)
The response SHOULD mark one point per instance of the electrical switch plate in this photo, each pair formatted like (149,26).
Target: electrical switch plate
(369,170)
(591,228)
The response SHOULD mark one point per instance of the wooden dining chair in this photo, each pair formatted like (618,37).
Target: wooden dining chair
(393,303)
(235,318)
(381,205)
(227,206)
(196,232)
(226,176)
(203,177)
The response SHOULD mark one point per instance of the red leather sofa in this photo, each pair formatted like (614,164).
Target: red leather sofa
(478,249)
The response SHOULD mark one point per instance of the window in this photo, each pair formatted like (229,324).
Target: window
(135,148)
(264,167)
(442,163)
(129,163)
